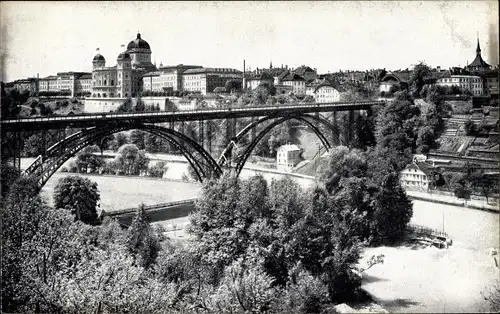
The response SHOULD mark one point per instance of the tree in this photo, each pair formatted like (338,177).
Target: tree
(420,71)
(126,106)
(139,106)
(462,189)
(33,146)
(169,105)
(155,144)
(397,128)
(233,85)
(130,160)
(79,196)
(119,139)
(141,240)
(105,143)
(367,193)
(486,184)
(469,127)
(8,177)
(137,138)
(158,170)
(86,159)
(425,139)
(275,229)
(261,93)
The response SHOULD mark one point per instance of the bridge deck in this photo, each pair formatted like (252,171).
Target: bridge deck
(102,119)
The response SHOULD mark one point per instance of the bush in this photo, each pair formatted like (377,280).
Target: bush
(158,170)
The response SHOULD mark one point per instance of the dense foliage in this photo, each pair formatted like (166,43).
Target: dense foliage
(79,196)
(367,190)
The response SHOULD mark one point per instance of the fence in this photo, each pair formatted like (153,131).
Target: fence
(418,229)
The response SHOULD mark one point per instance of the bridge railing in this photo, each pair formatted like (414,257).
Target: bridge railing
(183,112)
(149,207)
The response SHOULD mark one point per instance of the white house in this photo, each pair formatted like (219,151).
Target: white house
(466,82)
(323,92)
(417,176)
(287,157)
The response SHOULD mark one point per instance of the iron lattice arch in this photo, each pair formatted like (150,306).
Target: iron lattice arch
(317,123)
(45,166)
(201,161)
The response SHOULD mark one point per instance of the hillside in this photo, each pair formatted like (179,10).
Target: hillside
(35,107)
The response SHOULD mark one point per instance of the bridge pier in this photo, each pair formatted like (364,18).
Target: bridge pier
(17,152)
(181,130)
(44,143)
(335,134)
(208,141)
(348,133)
(201,132)
(254,130)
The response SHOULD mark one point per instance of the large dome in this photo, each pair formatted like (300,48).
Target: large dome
(123,56)
(98,57)
(138,43)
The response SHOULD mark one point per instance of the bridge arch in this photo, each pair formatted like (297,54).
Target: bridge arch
(304,118)
(44,167)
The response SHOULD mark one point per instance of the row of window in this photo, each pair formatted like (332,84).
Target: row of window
(415,176)
(417,183)
(111,95)
(460,80)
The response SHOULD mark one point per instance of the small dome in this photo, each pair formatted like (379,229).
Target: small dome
(124,56)
(138,43)
(98,57)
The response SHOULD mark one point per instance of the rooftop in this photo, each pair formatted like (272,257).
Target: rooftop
(288,147)
(211,70)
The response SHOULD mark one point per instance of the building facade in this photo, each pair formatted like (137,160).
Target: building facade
(417,176)
(287,157)
(205,80)
(168,78)
(296,81)
(323,92)
(466,82)
(29,84)
(399,80)
(83,85)
(490,82)
(254,80)
(125,79)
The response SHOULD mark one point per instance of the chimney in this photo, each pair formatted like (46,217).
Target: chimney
(244,75)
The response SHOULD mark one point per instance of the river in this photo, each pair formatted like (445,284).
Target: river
(422,280)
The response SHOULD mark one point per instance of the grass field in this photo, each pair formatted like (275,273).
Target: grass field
(119,192)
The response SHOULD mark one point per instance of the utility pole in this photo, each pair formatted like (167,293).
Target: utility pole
(443,222)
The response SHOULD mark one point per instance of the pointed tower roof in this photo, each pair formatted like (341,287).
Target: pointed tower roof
(478,63)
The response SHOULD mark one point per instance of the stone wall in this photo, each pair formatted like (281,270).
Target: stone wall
(93,105)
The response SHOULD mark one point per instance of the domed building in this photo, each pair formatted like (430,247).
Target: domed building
(140,52)
(125,78)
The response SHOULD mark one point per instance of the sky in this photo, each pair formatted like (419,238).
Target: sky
(50,37)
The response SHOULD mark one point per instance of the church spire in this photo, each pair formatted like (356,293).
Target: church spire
(478,49)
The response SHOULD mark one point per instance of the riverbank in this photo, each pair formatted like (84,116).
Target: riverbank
(451,200)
